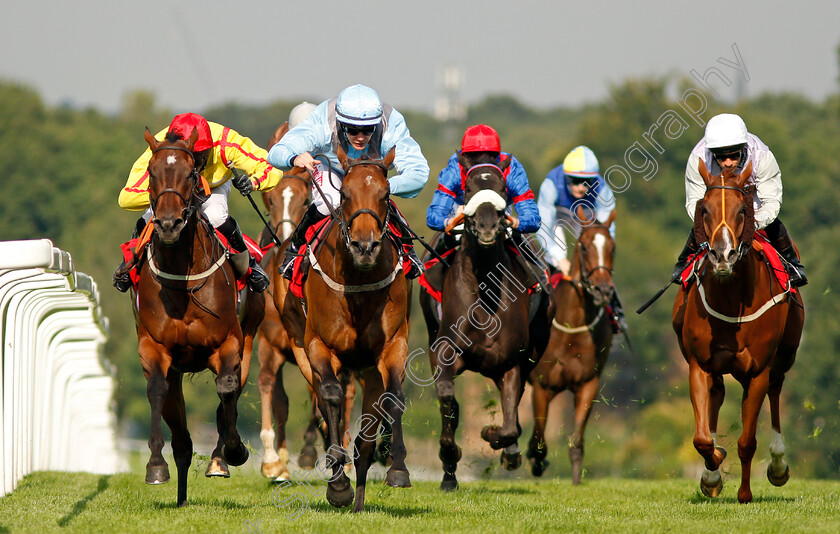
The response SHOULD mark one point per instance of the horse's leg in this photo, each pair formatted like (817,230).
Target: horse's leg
(174,414)
(510,387)
(271,369)
(584,396)
(716,396)
(778,471)
(366,438)
(537,447)
(450,452)
(157,470)
(280,411)
(754,392)
(228,387)
(349,398)
(392,406)
(308,457)
(700,384)
(330,397)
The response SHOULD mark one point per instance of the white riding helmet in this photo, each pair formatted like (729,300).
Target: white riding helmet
(725,130)
(299,113)
(358,105)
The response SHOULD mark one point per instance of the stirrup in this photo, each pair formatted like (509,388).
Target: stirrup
(287,267)
(258,279)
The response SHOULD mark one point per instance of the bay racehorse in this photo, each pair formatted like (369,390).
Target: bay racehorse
(356,319)
(286,204)
(736,318)
(484,322)
(580,340)
(186,310)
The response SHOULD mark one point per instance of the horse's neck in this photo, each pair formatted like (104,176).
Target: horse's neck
(748,276)
(186,253)
(341,260)
(490,266)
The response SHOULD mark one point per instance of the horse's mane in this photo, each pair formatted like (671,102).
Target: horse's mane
(173,137)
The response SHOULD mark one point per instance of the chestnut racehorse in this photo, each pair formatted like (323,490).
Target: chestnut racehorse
(580,341)
(186,310)
(286,204)
(735,319)
(356,298)
(484,326)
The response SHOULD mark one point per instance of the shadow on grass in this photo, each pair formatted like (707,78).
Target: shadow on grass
(488,489)
(393,511)
(227,504)
(699,498)
(80,505)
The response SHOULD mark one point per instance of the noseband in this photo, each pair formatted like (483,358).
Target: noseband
(742,246)
(585,283)
(189,208)
(344,225)
(469,219)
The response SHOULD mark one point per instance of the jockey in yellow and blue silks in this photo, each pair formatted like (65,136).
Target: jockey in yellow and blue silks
(217,150)
(448,200)
(359,122)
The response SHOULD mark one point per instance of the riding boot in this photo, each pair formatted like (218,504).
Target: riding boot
(682,262)
(122,280)
(617,320)
(780,239)
(298,238)
(416,267)
(257,279)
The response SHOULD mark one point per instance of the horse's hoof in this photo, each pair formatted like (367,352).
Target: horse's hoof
(511,462)
(157,474)
(237,456)
(711,483)
(340,494)
(271,469)
(217,468)
(308,457)
(450,483)
(397,479)
(722,451)
(492,435)
(778,480)
(538,465)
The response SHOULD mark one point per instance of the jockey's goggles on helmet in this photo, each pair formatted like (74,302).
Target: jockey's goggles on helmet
(351,129)
(580,180)
(727,152)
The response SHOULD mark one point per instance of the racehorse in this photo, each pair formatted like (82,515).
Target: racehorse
(357,302)
(736,319)
(484,325)
(286,204)
(580,340)
(186,310)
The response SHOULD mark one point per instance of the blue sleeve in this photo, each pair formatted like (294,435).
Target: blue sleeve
(313,135)
(548,214)
(446,195)
(519,190)
(605,203)
(411,165)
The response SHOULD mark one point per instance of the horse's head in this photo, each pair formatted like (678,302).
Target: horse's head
(594,257)
(726,218)
(365,206)
(172,180)
(485,199)
(288,201)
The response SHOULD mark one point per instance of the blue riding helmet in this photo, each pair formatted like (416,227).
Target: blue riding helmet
(358,105)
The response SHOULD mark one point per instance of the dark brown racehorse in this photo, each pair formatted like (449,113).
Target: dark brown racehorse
(286,204)
(484,325)
(186,315)
(357,319)
(580,341)
(735,319)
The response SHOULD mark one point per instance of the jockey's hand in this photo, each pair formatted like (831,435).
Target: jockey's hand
(243,183)
(563,265)
(512,221)
(306,161)
(459,214)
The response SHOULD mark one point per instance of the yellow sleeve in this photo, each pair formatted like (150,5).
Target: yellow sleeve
(240,152)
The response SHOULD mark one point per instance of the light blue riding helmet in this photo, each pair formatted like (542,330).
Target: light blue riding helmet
(581,163)
(358,105)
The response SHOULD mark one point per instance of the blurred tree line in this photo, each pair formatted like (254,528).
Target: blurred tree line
(63,168)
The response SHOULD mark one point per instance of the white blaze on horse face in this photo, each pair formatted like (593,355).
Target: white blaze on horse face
(287,225)
(368,179)
(170,160)
(599,241)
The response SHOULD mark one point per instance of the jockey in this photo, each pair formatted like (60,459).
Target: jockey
(217,150)
(727,145)
(362,125)
(481,140)
(575,183)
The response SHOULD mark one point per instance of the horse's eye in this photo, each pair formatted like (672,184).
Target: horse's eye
(743,210)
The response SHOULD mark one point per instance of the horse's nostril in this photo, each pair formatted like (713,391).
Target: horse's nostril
(730,256)
(714,254)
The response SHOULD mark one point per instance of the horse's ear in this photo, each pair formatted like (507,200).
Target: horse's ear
(610,219)
(504,162)
(463,161)
(704,173)
(278,134)
(342,157)
(153,143)
(581,216)
(192,139)
(389,158)
(742,179)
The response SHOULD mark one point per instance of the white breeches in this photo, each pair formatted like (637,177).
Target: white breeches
(329,184)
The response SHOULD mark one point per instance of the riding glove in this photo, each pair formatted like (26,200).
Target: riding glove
(243,183)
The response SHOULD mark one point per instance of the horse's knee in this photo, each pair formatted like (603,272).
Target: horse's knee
(331,393)
(746,449)
(445,390)
(227,384)
(265,382)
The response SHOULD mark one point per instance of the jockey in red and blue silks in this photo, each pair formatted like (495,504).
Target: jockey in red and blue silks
(448,200)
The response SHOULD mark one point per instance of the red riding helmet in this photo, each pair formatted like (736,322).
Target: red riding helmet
(480,138)
(185,123)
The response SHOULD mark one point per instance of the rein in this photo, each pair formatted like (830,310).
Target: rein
(742,249)
(586,285)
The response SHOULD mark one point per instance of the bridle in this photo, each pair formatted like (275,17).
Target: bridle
(743,247)
(469,220)
(189,206)
(306,182)
(585,282)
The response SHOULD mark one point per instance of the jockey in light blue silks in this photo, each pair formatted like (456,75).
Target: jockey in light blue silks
(362,125)
(577,182)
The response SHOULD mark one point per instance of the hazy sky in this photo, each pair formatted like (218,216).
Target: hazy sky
(194,53)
